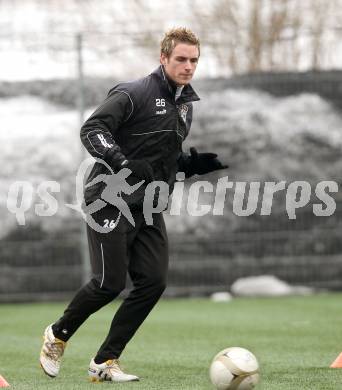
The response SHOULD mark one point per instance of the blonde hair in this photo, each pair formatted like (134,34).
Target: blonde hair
(175,36)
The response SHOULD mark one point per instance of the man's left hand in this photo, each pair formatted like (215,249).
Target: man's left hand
(202,163)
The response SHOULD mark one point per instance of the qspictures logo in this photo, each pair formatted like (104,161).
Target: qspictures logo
(155,197)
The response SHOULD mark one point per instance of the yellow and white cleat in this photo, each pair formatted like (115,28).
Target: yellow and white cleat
(109,371)
(51,353)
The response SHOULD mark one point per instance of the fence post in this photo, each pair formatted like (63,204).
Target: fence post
(81,109)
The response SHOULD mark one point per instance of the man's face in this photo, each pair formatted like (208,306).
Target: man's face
(180,66)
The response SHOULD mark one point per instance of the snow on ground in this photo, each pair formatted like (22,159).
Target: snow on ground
(40,141)
(260,135)
(251,112)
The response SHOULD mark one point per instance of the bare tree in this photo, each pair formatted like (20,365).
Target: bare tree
(239,36)
(320,10)
(295,26)
(255,36)
(219,27)
(277,23)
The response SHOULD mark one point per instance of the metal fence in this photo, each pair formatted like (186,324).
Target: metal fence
(52,269)
(306,251)
(40,269)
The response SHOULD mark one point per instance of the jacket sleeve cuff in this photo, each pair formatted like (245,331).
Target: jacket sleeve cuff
(184,164)
(114,158)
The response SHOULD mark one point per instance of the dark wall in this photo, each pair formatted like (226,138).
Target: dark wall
(328,84)
(325,83)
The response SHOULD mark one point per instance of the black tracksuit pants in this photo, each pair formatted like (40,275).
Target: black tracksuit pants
(140,250)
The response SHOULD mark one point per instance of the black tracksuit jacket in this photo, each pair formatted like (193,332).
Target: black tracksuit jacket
(139,120)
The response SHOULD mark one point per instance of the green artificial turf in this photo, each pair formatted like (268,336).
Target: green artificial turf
(295,340)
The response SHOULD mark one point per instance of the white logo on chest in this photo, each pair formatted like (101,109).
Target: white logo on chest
(183,110)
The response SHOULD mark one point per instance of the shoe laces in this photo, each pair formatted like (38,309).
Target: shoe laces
(55,349)
(113,366)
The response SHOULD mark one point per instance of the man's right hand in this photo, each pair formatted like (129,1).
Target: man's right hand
(140,169)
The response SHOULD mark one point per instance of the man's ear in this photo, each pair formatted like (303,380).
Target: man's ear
(163,59)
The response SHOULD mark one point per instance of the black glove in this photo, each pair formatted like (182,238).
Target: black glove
(140,169)
(200,163)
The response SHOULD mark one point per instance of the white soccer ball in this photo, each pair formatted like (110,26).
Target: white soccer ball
(234,368)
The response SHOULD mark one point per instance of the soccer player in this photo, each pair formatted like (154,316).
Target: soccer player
(140,126)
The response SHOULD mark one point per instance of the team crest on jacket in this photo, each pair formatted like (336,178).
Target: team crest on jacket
(183,110)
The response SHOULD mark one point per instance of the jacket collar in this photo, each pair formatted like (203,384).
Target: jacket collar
(188,93)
